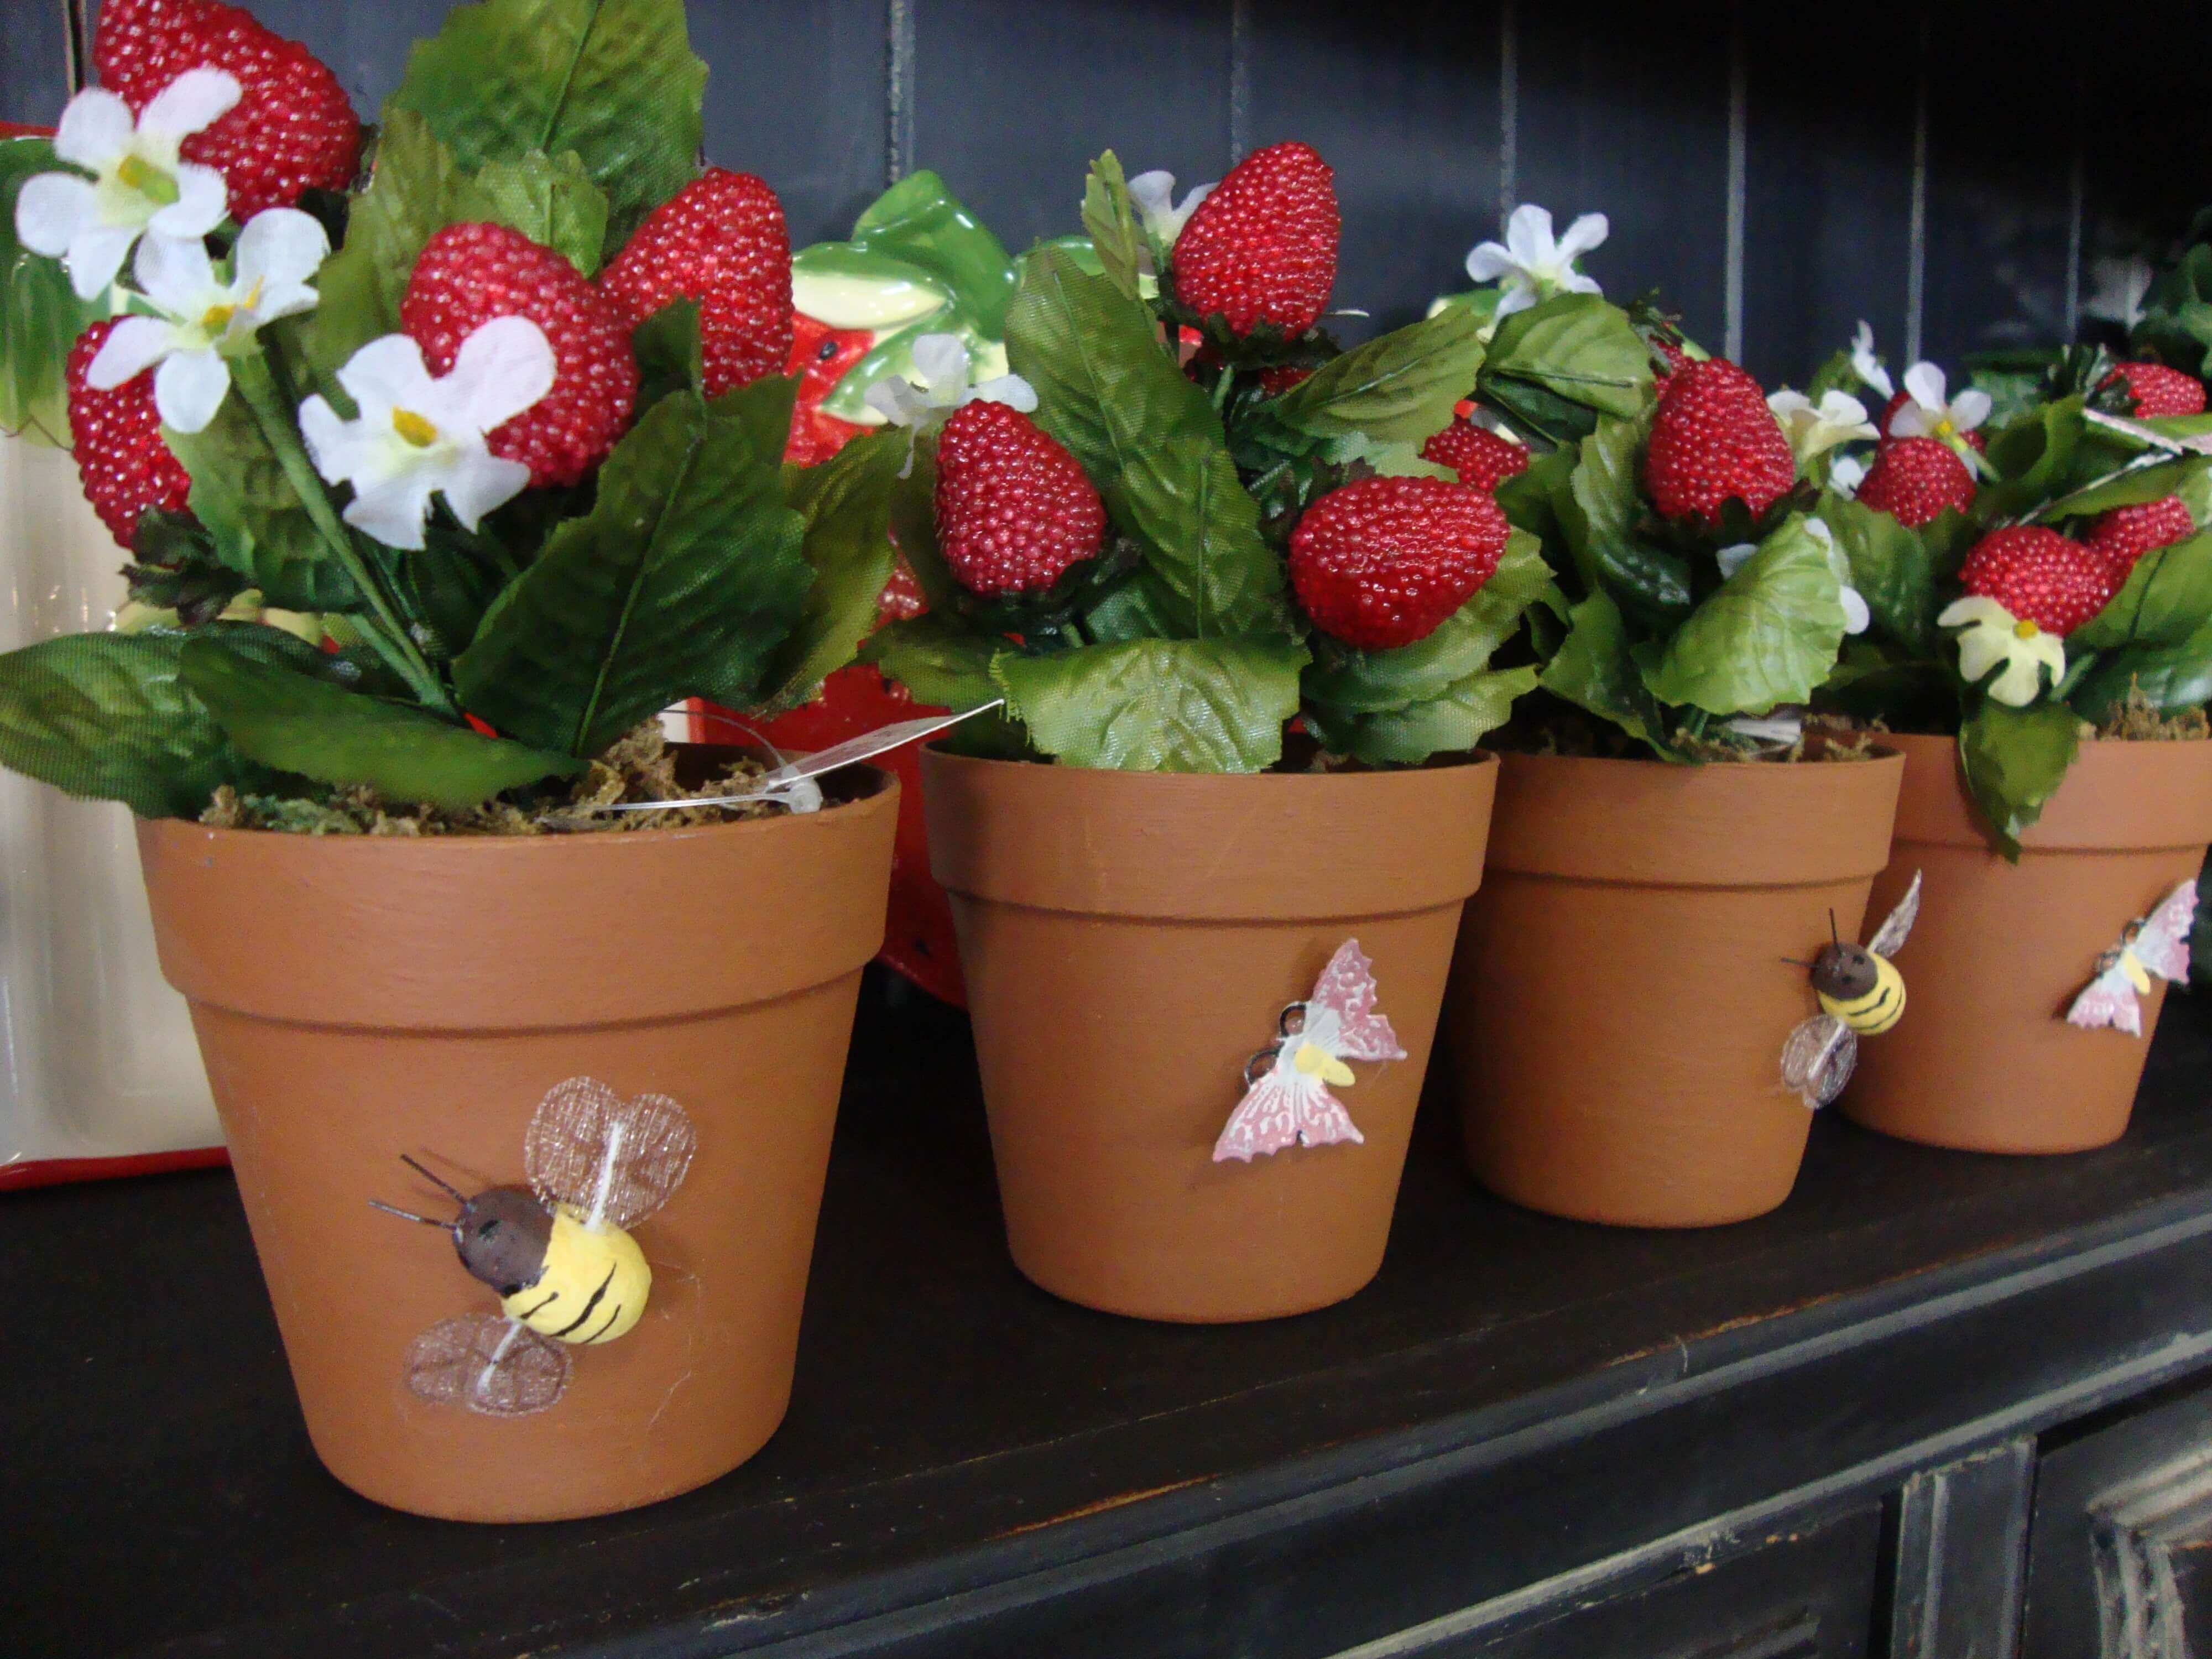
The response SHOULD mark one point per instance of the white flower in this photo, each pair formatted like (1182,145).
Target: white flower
(1867,366)
(943,363)
(1532,265)
(2121,287)
(140,185)
(1846,477)
(1815,428)
(1927,415)
(415,436)
(1152,194)
(1855,614)
(1992,635)
(206,320)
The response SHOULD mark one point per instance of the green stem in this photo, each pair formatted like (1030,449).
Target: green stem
(391,639)
(1221,388)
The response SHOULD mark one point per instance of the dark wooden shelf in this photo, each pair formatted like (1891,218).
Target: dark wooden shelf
(971,1466)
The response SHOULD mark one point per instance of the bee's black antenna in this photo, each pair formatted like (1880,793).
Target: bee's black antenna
(1832,934)
(1796,962)
(458,1197)
(407,1215)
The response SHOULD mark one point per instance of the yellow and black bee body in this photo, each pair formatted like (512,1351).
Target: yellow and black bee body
(1861,994)
(1863,990)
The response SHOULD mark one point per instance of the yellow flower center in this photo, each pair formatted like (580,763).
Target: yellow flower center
(217,318)
(414,429)
(2025,629)
(149,180)
(1945,430)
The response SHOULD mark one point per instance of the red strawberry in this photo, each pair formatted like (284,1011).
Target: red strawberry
(1381,563)
(820,356)
(1480,457)
(1897,401)
(719,241)
(1262,248)
(2158,390)
(2040,576)
(469,274)
(117,436)
(1014,510)
(2126,533)
(1675,359)
(1715,441)
(1914,479)
(293,127)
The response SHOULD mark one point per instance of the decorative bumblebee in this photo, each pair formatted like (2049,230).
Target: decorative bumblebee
(557,1252)
(1861,994)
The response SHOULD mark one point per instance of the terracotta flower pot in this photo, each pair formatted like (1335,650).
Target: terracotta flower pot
(357,999)
(1129,940)
(1620,998)
(1983,1059)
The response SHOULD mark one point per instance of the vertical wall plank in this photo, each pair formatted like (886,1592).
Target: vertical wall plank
(1012,98)
(1410,120)
(1828,192)
(33,63)
(1626,114)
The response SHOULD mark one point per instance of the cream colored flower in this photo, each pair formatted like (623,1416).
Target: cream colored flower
(1989,635)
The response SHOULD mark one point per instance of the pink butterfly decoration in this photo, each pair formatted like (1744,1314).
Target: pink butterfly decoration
(1291,1102)
(2156,943)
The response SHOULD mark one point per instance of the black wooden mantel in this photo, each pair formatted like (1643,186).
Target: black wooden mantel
(1811,1434)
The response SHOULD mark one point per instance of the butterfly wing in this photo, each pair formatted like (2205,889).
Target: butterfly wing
(1346,988)
(1323,1119)
(2162,945)
(618,1159)
(1817,1058)
(480,1363)
(2108,1000)
(1267,1119)
(1898,925)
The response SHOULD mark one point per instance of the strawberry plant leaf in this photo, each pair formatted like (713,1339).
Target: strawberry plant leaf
(1398,387)
(2174,677)
(2166,598)
(41,315)
(2146,483)
(1112,222)
(670,357)
(1598,511)
(1157,705)
(553,203)
(1593,670)
(1894,570)
(1150,441)
(846,503)
(684,579)
(241,493)
(1576,346)
(1452,722)
(2034,457)
(109,716)
(1768,635)
(295,722)
(615,80)
(2012,760)
(946,665)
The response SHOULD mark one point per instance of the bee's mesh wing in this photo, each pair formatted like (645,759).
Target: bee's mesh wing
(1817,1058)
(484,1363)
(1899,924)
(589,1148)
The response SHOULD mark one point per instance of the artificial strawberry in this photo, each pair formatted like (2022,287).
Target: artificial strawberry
(1381,563)
(1483,459)
(293,128)
(2124,534)
(117,437)
(1262,248)
(2158,390)
(2040,576)
(1897,401)
(1673,358)
(720,241)
(1914,479)
(467,274)
(1714,440)
(1014,510)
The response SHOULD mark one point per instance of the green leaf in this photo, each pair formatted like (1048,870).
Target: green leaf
(670,357)
(241,493)
(846,503)
(2013,760)
(1769,635)
(1114,240)
(108,716)
(553,203)
(1452,722)
(947,665)
(1593,670)
(615,80)
(1598,512)
(684,579)
(1159,705)
(1399,388)
(1576,346)
(2130,489)
(297,723)
(2167,598)
(1838,373)
(41,315)
(2033,456)
(1373,682)
(2173,676)
(1894,569)
(1150,441)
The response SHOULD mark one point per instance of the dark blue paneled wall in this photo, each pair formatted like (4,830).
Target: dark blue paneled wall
(1952,175)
